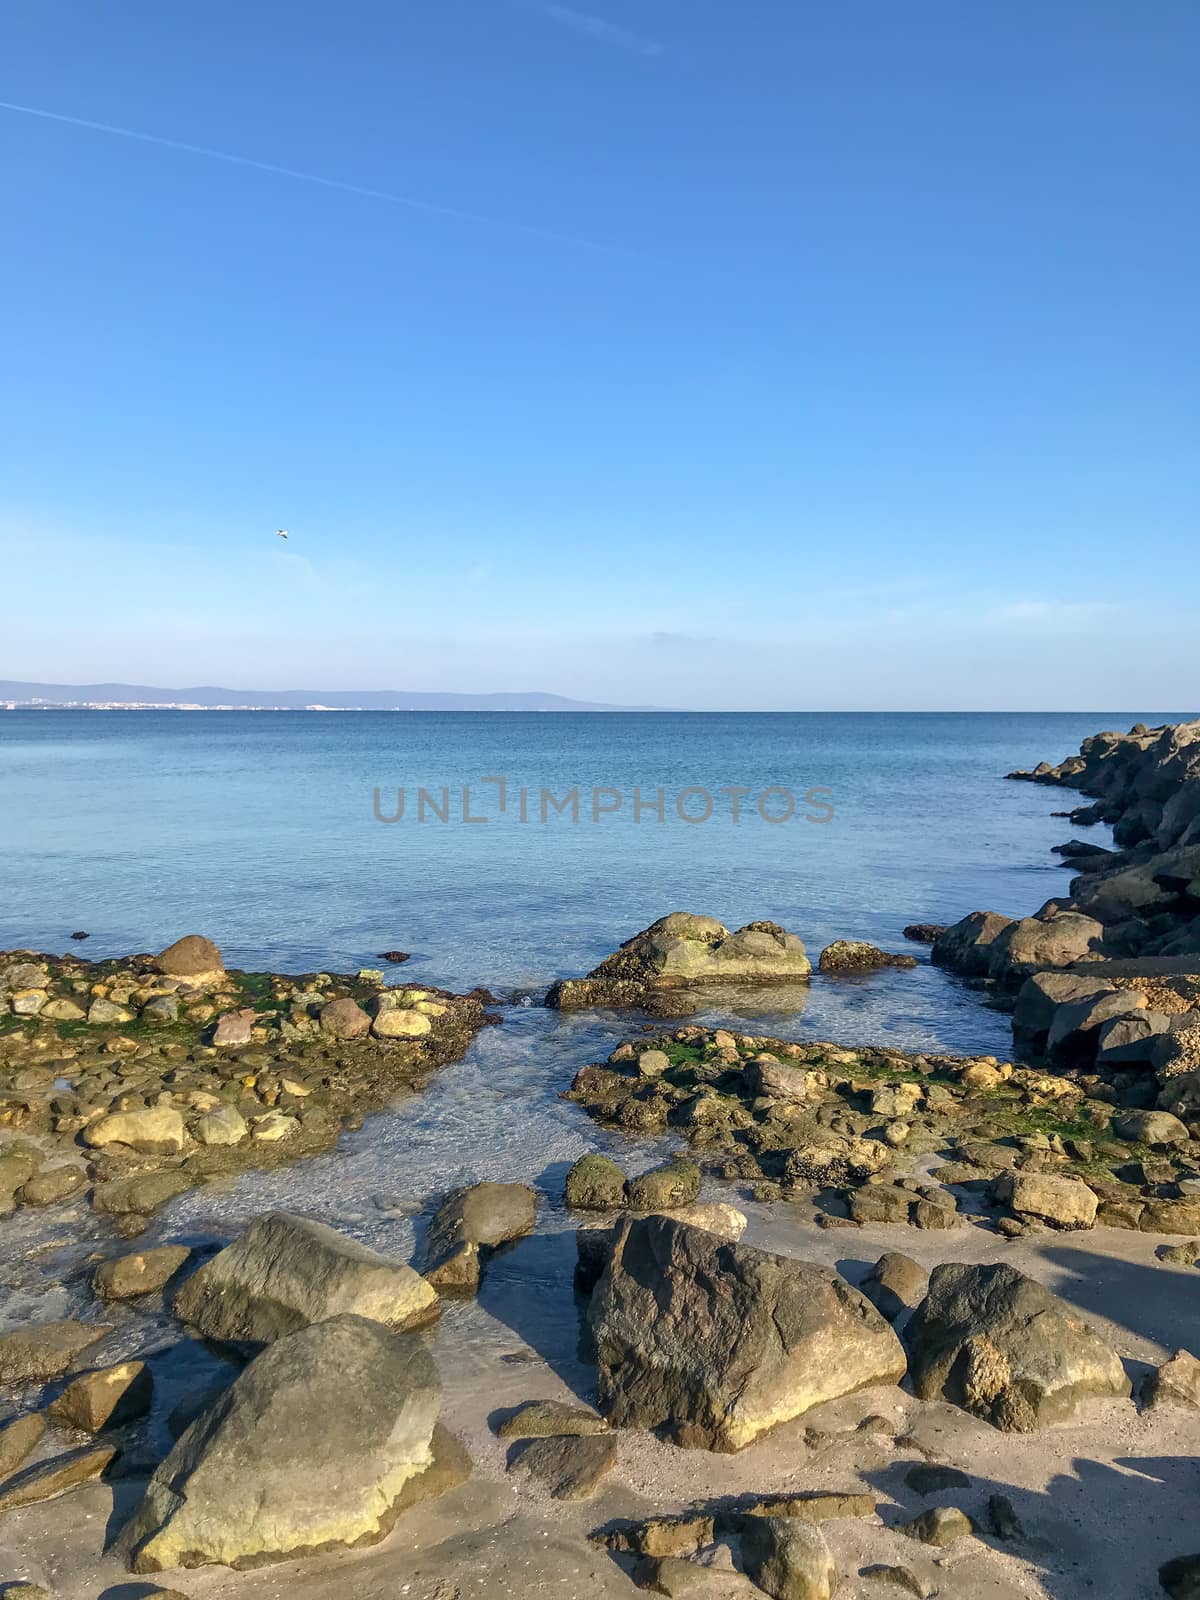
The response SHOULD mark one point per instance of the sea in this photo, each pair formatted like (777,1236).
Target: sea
(507,850)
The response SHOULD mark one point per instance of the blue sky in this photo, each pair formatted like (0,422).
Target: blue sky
(774,355)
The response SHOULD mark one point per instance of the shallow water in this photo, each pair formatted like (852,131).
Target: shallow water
(259,830)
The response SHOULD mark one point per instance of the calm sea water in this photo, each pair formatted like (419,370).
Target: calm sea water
(259,830)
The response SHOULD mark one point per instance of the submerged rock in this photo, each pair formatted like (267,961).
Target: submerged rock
(311,1448)
(139,1272)
(683,951)
(1003,1347)
(855,955)
(44,1350)
(716,1342)
(286,1272)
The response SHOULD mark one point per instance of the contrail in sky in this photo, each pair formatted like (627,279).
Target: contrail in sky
(428,206)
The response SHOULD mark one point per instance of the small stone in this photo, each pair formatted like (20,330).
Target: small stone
(896,1283)
(49,1479)
(928,1478)
(1176,1382)
(52,1185)
(1181,1577)
(140,1195)
(28,1002)
(139,1272)
(1158,1129)
(274,1127)
(788,1559)
(395,1023)
(63,1010)
(570,1468)
(940,1525)
(653,1063)
(344,1019)
(105,1011)
(45,1350)
(155,1130)
(676,1184)
(595,1183)
(106,1398)
(18,1439)
(902,1577)
(544,1419)
(235,1027)
(223,1125)
(1003,1519)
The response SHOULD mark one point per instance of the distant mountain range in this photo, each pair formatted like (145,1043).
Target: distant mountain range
(15,695)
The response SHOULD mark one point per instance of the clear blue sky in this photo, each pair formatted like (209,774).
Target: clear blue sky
(777,355)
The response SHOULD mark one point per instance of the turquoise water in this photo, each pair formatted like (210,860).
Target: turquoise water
(259,830)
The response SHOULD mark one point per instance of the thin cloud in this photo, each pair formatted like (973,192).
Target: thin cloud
(589,26)
(410,202)
(1051,612)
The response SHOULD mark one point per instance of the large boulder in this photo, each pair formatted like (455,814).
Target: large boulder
(469,1225)
(1033,943)
(193,957)
(966,946)
(286,1272)
(1004,1348)
(715,1342)
(1038,1001)
(313,1447)
(680,952)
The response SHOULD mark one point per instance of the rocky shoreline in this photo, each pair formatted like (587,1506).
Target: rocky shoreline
(756,1386)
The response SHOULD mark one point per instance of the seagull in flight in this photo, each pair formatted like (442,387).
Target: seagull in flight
(281,533)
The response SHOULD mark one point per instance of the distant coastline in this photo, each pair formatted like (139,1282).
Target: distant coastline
(16,695)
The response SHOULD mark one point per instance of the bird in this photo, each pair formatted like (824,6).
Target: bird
(281,533)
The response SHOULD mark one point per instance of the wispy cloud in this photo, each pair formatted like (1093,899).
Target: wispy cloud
(598,29)
(1039,613)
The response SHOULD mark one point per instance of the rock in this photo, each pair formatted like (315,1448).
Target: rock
(881,1203)
(726,1221)
(48,1479)
(155,1130)
(662,1188)
(30,1591)
(274,1127)
(235,1027)
(1176,1382)
(18,1440)
(966,946)
(930,1478)
(394,956)
(285,1272)
(716,1342)
(141,1195)
(103,1011)
(853,955)
(545,1419)
(106,1398)
(571,1467)
(28,1002)
(1063,1202)
(939,1525)
(1073,1038)
(652,1063)
(52,1186)
(139,1272)
(836,1162)
(311,1448)
(44,1350)
(595,1183)
(924,932)
(191,957)
(1170,1216)
(788,1559)
(471,1224)
(63,1010)
(223,1125)
(816,1505)
(902,1577)
(775,1080)
(681,952)
(1003,1519)
(896,1283)
(344,1019)
(1004,1348)
(1155,1128)
(395,1023)
(688,1580)
(1032,943)
(1181,1577)
(163,1009)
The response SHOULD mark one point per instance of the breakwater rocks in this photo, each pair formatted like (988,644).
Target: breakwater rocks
(1109,973)
(844,1132)
(137,1078)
